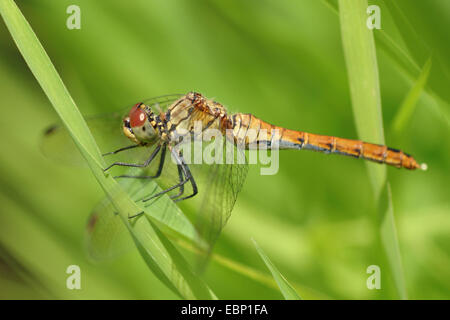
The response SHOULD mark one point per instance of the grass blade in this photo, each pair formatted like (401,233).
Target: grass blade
(362,69)
(360,56)
(156,250)
(404,61)
(389,239)
(410,101)
(286,289)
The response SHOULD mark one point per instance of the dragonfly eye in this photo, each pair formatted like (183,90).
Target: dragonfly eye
(137,116)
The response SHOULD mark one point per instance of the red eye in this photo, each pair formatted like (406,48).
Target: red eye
(137,116)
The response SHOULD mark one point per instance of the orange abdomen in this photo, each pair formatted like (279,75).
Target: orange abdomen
(251,132)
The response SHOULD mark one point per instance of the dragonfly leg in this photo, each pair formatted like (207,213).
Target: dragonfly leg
(188,178)
(194,187)
(145,164)
(181,177)
(136,215)
(158,173)
(121,149)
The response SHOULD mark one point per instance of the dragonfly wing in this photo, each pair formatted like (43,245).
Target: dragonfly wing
(161,103)
(221,186)
(57,144)
(106,235)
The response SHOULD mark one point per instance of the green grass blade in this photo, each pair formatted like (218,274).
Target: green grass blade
(362,69)
(407,108)
(405,63)
(386,43)
(45,73)
(416,46)
(286,289)
(389,239)
(156,250)
(361,62)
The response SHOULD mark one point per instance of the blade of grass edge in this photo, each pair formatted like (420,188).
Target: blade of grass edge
(151,243)
(286,289)
(360,56)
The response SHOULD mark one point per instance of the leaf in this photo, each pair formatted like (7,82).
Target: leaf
(160,257)
(361,61)
(286,289)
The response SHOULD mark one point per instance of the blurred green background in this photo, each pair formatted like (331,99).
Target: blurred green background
(281,61)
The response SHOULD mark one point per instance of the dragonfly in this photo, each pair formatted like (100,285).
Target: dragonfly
(156,126)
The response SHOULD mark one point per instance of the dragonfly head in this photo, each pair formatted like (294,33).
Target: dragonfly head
(138,126)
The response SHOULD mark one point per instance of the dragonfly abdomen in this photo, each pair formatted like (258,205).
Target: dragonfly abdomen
(353,148)
(251,132)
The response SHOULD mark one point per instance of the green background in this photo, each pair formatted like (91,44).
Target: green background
(279,60)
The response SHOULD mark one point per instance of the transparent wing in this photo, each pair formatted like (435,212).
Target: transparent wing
(106,236)
(219,186)
(161,103)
